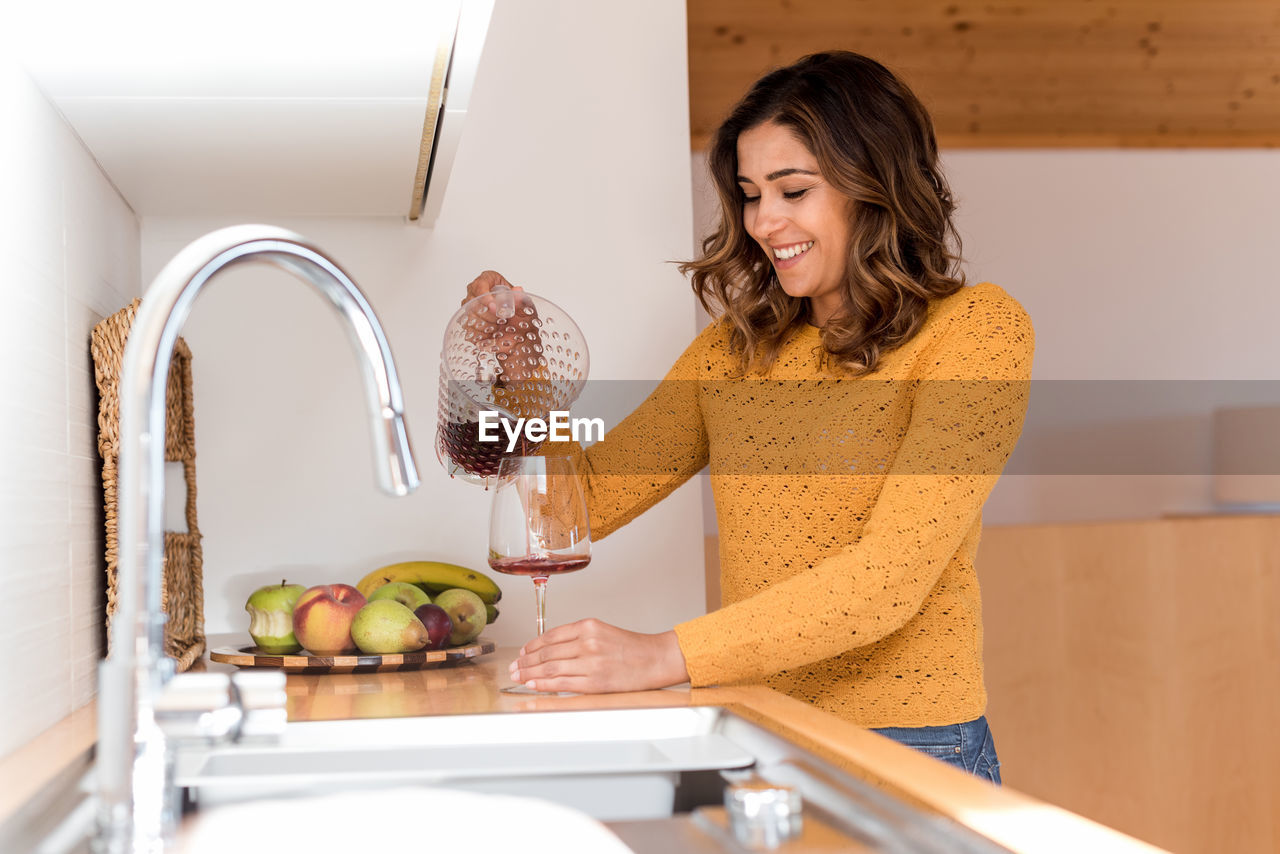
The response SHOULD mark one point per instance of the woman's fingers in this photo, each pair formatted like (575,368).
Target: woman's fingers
(562,651)
(591,656)
(486,282)
(561,634)
(588,656)
(490,329)
(493,329)
(571,684)
(537,667)
(556,652)
(571,666)
(558,644)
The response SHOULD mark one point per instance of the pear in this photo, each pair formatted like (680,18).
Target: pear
(385,626)
(467,612)
(403,592)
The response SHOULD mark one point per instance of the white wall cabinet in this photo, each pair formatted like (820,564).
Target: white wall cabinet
(263,110)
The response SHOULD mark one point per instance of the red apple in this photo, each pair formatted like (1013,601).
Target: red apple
(439,624)
(322,618)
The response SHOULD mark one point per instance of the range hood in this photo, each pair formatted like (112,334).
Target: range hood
(265,109)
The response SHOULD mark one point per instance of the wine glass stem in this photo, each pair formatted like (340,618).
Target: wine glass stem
(540,591)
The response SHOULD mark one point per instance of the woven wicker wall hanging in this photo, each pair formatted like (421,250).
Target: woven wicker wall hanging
(182,594)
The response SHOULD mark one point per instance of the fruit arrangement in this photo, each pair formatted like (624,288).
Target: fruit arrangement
(399,608)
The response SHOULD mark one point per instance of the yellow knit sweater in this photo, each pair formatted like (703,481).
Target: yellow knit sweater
(849,508)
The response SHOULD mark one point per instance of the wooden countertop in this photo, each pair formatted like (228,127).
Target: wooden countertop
(1016,821)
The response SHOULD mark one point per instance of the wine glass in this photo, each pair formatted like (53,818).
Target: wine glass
(538,526)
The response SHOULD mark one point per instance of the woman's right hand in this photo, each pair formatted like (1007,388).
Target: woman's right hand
(486,282)
(496,332)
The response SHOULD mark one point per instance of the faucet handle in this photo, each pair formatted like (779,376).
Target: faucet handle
(762,814)
(193,692)
(197,706)
(218,707)
(262,698)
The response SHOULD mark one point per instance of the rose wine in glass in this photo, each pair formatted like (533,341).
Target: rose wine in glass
(538,567)
(538,526)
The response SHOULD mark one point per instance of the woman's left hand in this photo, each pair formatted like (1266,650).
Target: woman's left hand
(593,657)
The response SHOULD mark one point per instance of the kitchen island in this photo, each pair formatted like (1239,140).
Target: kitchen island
(1013,820)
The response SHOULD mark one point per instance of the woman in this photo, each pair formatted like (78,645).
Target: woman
(855,402)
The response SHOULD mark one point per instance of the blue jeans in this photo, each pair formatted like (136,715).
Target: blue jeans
(967,746)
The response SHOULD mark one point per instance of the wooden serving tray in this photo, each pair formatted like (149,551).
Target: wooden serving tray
(304,662)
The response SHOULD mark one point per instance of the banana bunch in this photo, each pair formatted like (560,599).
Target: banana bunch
(433,577)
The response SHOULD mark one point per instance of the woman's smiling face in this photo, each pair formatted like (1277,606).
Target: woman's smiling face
(800,220)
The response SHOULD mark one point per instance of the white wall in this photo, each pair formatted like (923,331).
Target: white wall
(1134,265)
(70,255)
(572,179)
(1152,267)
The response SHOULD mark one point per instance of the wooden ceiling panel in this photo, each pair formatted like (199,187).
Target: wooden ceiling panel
(1036,73)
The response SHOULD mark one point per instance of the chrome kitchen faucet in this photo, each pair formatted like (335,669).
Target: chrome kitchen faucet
(136,684)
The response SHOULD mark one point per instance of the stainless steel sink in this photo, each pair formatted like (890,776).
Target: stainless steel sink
(655,776)
(615,765)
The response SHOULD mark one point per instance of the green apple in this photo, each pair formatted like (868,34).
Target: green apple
(408,595)
(467,612)
(271,617)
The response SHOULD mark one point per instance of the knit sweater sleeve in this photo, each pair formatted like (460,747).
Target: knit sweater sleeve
(655,449)
(971,392)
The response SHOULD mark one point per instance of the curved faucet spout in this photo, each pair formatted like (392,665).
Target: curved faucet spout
(132,809)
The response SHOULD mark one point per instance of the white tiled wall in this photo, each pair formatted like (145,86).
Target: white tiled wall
(69,255)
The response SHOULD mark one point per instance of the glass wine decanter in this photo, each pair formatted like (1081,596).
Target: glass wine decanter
(507,354)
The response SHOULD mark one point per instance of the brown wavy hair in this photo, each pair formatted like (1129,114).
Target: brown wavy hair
(874,142)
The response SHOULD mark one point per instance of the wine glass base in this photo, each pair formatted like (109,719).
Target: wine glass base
(521,689)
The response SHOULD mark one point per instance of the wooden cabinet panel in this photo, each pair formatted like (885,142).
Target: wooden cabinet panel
(1134,674)
(1040,73)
